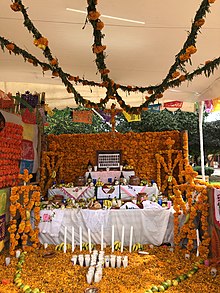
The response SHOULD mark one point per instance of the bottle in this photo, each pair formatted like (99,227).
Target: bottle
(121,179)
(89,178)
(89,166)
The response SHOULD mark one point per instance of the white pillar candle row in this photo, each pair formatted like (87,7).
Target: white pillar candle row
(102,238)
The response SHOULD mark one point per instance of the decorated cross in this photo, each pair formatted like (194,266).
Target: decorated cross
(113,111)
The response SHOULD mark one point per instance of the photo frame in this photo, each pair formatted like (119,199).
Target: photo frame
(109,159)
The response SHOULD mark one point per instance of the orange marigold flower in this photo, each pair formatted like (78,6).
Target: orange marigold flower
(184,57)
(104,71)
(41,43)
(98,49)
(182,78)
(100,25)
(191,49)
(211,1)
(200,22)
(53,62)
(45,68)
(93,15)
(55,73)
(175,74)
(10,47)
(15,7)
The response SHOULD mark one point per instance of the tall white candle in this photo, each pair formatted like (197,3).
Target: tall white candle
(122,238)
(102,236)
(198,242)
(65,234)
(80,238)
(73,239)
(113,232)
(89,239)
(131,238)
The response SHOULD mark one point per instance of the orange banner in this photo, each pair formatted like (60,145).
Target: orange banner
(82,117)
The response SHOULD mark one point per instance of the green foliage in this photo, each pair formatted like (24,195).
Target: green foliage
(208,170)
(61,123)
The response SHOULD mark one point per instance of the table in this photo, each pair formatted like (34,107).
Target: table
(151,226)
(86,192)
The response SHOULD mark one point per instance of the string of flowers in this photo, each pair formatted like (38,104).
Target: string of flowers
(23,200)
(196,201)
(173,159)
(155,92)
(51,169)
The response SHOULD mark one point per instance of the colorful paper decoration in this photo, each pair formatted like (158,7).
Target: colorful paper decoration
(216,105)
(27,150)
(2,227)
(26,164)
(82,116)
(208,106)
(154,107)
(132,117)
(173,104)
(29,117)
(2,122)
(3,200)
(5,101)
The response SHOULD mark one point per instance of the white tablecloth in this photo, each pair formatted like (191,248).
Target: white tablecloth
(151,226)
(126,191)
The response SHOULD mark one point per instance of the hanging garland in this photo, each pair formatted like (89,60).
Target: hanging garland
(173,78)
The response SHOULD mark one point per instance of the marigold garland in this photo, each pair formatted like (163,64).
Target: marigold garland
(23,200)
(51,169)
(168,161)
(170,80)
(196,202)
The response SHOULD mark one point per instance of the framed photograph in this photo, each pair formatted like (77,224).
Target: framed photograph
(109,159)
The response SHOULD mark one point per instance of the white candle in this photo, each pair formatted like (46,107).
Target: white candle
(7,261)
(102,236)
(18,252)
(80,238)
(131,237)
(198,242)
(89,240)
(113,232)
(65,234)
(122,238)
(73,239)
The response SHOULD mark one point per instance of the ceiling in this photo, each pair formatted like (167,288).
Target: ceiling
(137,54)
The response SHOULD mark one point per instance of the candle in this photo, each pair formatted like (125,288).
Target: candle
(73,236)
(113,231)
(80,238)
(122,238)
(131,237)
(89,240)
(102,236)
(7,261)
(65,234)
(198,242)
(18,252)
